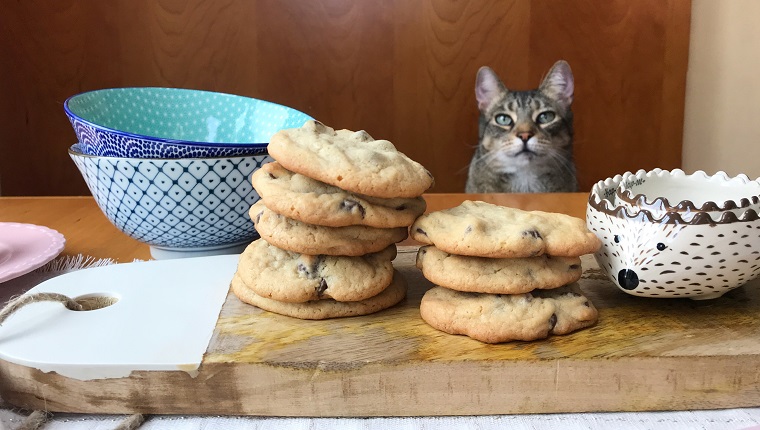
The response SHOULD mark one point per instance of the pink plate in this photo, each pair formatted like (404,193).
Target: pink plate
(25,247)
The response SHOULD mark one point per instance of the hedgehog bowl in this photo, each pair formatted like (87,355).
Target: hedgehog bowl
(666,256)
(154,122)
(179,207)
(662,191)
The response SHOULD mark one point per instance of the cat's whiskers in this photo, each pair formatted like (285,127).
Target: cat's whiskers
(560,161)
(495,159)
(486,158)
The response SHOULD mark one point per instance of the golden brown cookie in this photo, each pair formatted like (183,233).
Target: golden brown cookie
(496,318)
(307,200)
(296,236)
(350,160)
(497,275)
(287,276)
(485,230)
(326,308)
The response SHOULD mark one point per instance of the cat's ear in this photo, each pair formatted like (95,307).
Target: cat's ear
(559,83)
(488,87)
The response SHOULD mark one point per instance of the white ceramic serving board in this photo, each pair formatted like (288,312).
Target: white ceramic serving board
(163,320)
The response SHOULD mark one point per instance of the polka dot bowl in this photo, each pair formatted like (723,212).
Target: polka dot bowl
(668,256)
(154,122)
(179,207)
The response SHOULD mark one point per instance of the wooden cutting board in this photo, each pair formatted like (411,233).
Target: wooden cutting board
(644,354)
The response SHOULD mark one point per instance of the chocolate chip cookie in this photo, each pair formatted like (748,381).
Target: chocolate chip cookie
(485,230)
(286,276)
(293,235)
(496,318)
(350,160)
(324,308)
(305,199)
(497,275)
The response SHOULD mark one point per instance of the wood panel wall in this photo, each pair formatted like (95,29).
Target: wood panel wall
(404,70)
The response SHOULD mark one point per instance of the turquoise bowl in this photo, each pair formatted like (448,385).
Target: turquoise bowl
(154,122)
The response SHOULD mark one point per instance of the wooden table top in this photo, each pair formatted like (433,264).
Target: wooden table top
(88,231)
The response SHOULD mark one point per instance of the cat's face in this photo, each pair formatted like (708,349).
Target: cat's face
(520,128)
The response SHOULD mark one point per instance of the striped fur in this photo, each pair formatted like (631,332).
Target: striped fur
(525,137)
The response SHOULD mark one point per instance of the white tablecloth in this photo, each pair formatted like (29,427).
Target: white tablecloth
(729,419)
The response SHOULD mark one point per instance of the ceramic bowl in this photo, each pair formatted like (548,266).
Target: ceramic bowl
(149,122)
(661,191)
(666,256)
(180,207)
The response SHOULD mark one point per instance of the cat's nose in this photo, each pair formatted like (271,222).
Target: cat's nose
(524,136)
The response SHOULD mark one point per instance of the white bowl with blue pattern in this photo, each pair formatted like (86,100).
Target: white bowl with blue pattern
(155,122)
(180,207)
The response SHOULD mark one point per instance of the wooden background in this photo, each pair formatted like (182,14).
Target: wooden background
(404,70)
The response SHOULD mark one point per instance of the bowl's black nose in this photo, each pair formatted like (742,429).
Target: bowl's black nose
(628,279)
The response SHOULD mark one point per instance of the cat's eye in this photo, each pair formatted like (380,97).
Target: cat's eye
(503,119)
(545,117)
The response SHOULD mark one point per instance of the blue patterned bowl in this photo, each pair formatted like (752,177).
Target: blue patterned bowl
(180,207)
(148,122)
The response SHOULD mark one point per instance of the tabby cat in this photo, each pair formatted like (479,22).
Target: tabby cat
(525,137)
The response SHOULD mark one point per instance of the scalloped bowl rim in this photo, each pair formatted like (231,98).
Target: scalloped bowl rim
(640,199)
(601,204)
(167,140)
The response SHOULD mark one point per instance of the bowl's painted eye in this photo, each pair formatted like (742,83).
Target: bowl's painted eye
(545,117)
(661,246)
(503,119)
(616,238)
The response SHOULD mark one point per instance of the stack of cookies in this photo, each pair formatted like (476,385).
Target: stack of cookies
(333,206)
(503,274)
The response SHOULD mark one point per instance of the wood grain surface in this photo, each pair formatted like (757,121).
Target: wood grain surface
(402,70)
(643,354)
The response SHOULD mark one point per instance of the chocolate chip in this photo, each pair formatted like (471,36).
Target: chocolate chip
(322,287)
(311,271)
(302,269)
(553,321)
(534,233)
(349,205)
(315,265)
